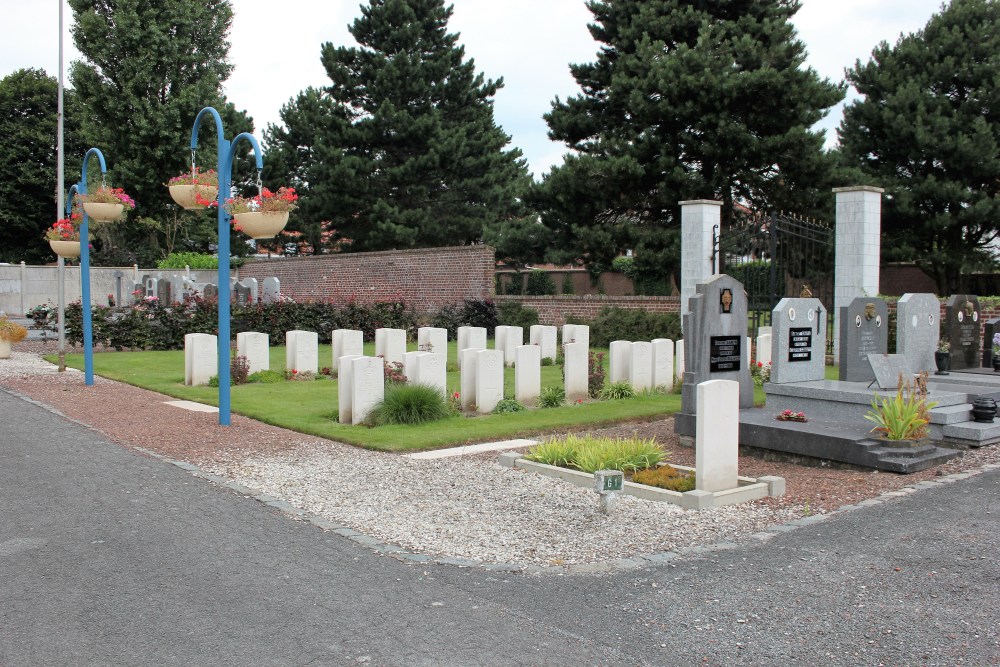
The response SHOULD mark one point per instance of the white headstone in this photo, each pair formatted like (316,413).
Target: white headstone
(367,386)
(489,380)
(254,346)
(432,339)
(527,373)
(620,354)
(568,335)
(302,351)
(467,377)
(545,338)
(271,290)
(663,364)
(470,338)
(581,332)
(640,368)
(575,371)
(513,340)
(347,343)
(679,363)
(717,436)
(764,348)
(411,368)
(345,389)
(432,370)
(201,358)
(500,337)
(390,344)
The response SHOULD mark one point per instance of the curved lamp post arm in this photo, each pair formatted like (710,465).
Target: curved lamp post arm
(69,199)
(88,327)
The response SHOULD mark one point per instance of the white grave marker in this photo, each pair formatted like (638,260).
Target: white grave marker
(575,371)
(467,378)
(411,368)
(679,364)
(764,348)
(527,373)
(513,340)
(432,370)
(432,339)
(367,386)
(489,380)
(201,358)
(545,338)
(620,356)
(470,338)
(640,368)
(390,344)
(254,346)
(345,389)
(717,436)
(304,355)
(663,364)
(347,343)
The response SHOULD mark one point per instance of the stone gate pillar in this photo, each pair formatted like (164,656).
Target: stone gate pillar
(699,218)
(858,249)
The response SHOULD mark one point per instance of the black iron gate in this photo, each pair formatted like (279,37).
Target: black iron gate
(774,256)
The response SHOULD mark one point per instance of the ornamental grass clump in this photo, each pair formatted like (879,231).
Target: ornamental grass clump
(617,391)
(590,453)
(409,404)
(904,416)
(12,331)
(666,477)
(551,397)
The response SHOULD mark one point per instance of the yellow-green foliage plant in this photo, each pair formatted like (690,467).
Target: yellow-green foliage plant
(666,477)
(901,417)
(12,331)
(589,453)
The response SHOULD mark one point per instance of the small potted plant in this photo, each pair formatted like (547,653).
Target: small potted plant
(64,236)
(942,358)
(901,419)
(106,204)
(10,333)
(263,216)
(195,189)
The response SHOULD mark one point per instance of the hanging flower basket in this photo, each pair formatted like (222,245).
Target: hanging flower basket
(100,212)
(195,189)
(263,216)
(66,249)
(107,204)
(260,224)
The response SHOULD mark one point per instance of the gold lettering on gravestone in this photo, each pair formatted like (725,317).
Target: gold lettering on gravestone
(726,300)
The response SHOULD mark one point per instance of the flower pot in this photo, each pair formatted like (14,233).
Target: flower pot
(4,349)
(261,224)
(983,410)
(996,363)
(904,444)
(185,195)
(66,249)
(943,362)
(100,212)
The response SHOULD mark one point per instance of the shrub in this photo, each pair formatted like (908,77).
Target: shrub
(590,453)
(665,477)
(615,323)
(551,397)
(450,317)
(540,283)
(901,417)
(195,260)
(508,405)
(239,369)
(408,404)
(595,373)
(617,391)
(514,314)
(266,377)
(567,285)
(393,372)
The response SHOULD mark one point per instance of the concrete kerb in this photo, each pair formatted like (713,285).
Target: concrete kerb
(622,564)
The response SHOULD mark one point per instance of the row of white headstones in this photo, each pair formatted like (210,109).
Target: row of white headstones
(644,365)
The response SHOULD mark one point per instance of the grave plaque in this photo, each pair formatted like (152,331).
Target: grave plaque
(917,330)
(864,330)
(800,344)
(889,369)
(724,354)
(961,328)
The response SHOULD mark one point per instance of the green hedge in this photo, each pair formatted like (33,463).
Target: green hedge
(613,323)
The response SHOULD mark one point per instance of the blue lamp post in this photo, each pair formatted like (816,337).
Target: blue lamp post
(88,331)
(226,155)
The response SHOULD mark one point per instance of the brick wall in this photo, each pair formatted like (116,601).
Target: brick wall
(552,310)
(426,278)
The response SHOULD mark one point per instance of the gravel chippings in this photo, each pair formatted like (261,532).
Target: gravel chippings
(468,507)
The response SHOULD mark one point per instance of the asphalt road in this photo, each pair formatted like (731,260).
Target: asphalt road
(111,558)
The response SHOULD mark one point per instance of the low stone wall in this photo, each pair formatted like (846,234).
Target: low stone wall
(553,310)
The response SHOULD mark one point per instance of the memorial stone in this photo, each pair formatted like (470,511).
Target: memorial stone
(304,351)
(917,330)
(271,290)
(864,330)
(345,388)
(149,286)
(527,373)
(545,337)
(367,386)
(201,358)
(432,339)
(390,344)
(411,367)
(890,370)
(432,369)
(163,292)
(990,329)
(764,348)
(242,295)
(467,377)
(798,341)
(961,328)
(210,291)
(663,364)
(176,289)
(640,367)
(500,337)
(347,343)
(575,371)
(254,346)
(619,356)
(679,355)
(489,380)
(470,338)
(513,340)
(252,285)
(717,440)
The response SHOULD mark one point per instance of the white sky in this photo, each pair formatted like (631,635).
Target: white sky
(529,43)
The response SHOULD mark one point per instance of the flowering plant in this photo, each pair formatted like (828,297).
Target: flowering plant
(106,195)
(944,345)
(791,416)
(64,229)
(760,372)
(266,202)
(996,343)
(208,178)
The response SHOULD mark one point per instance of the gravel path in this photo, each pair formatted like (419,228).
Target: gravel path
(464,507)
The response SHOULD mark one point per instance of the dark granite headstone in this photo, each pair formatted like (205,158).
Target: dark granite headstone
(990,329)
(211,291)
(864,330)
(242,295)
(961,328)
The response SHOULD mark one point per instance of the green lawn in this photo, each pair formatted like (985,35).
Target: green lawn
(311,407)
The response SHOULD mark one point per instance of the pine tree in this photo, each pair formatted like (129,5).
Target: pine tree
(927,128)
(407,153)
(706,100)
(147,70)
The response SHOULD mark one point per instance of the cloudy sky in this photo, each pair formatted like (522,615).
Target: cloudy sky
(529,43)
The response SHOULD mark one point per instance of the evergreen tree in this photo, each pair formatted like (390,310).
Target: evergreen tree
(406,152)
(927,128)
(147,70)
(28,122)
(706,100)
